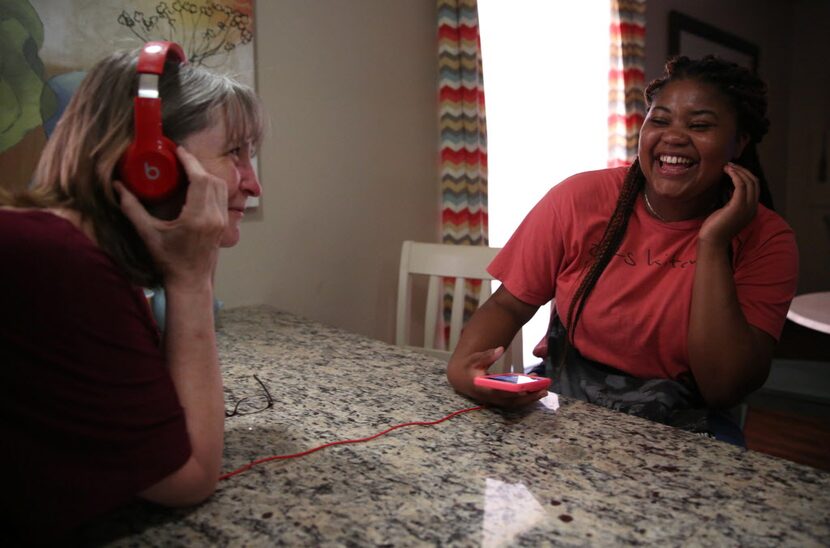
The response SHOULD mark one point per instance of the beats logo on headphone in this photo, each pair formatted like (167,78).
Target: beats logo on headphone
(149,167)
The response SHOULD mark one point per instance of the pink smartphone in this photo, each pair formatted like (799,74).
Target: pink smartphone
(513,382)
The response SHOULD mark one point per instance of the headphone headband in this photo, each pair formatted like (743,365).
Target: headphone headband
(154,54)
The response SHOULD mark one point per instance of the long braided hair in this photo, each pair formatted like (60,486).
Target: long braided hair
(747,95)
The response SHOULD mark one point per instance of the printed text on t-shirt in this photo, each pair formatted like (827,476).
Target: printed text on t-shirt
(648,258)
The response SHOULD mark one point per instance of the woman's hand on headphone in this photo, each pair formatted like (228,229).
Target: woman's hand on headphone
(185,249)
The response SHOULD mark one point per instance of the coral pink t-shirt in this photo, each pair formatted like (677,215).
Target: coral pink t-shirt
(637,316)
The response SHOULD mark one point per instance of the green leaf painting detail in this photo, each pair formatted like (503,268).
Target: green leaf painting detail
(26,100)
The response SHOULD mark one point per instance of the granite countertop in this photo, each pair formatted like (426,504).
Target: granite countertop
(579,475)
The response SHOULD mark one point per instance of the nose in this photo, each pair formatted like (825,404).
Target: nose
(674,136)
(249,183)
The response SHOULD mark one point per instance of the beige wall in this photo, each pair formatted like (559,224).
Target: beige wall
(349,168)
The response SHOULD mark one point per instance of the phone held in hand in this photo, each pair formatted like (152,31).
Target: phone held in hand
(512,382)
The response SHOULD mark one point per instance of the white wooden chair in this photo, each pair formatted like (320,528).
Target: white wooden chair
(437,261)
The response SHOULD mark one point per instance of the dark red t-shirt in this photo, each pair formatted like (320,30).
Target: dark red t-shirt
(89,415)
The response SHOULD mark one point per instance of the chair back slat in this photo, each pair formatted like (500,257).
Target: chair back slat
(485,292)
(457,316)
(434,299)
(404,305)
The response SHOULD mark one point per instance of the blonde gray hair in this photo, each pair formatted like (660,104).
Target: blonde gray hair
(79,163)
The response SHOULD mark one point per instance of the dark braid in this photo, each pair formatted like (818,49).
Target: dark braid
(747,95)
(610,242)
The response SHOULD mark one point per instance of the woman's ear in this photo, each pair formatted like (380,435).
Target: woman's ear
(740,144)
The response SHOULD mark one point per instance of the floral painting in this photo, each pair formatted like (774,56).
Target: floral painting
(46,46)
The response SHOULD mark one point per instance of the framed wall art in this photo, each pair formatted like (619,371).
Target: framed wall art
(694,38)
(47,47)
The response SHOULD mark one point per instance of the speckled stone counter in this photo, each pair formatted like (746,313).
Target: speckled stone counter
(581,475)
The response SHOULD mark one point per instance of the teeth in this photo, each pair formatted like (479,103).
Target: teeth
(675,160)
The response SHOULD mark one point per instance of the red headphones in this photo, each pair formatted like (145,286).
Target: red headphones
(149,166)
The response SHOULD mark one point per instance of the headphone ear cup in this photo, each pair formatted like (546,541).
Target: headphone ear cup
(151,170)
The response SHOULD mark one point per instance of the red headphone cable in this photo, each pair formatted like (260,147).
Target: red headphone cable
(343,442)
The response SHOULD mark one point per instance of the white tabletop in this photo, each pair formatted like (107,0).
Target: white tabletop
(812,310)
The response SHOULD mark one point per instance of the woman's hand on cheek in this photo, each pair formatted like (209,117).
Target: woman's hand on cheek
(186,248)
(725,223)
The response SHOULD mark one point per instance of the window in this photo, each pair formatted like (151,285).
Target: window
(546,91)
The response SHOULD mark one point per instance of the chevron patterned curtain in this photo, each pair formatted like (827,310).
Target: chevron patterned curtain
(463,138)
(626,80)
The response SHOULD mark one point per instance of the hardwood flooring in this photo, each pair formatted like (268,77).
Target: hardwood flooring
(797,437)
(792,428)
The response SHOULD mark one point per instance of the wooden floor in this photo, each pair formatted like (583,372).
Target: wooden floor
(793,429)
(797,437)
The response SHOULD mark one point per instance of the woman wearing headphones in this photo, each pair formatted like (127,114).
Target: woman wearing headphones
(98,406)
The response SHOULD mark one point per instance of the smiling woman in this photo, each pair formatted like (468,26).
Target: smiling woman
(100,406)
(672,278)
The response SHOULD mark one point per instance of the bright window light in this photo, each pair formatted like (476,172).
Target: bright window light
(546,93)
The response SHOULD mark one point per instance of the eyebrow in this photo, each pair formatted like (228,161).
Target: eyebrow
(697,112)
